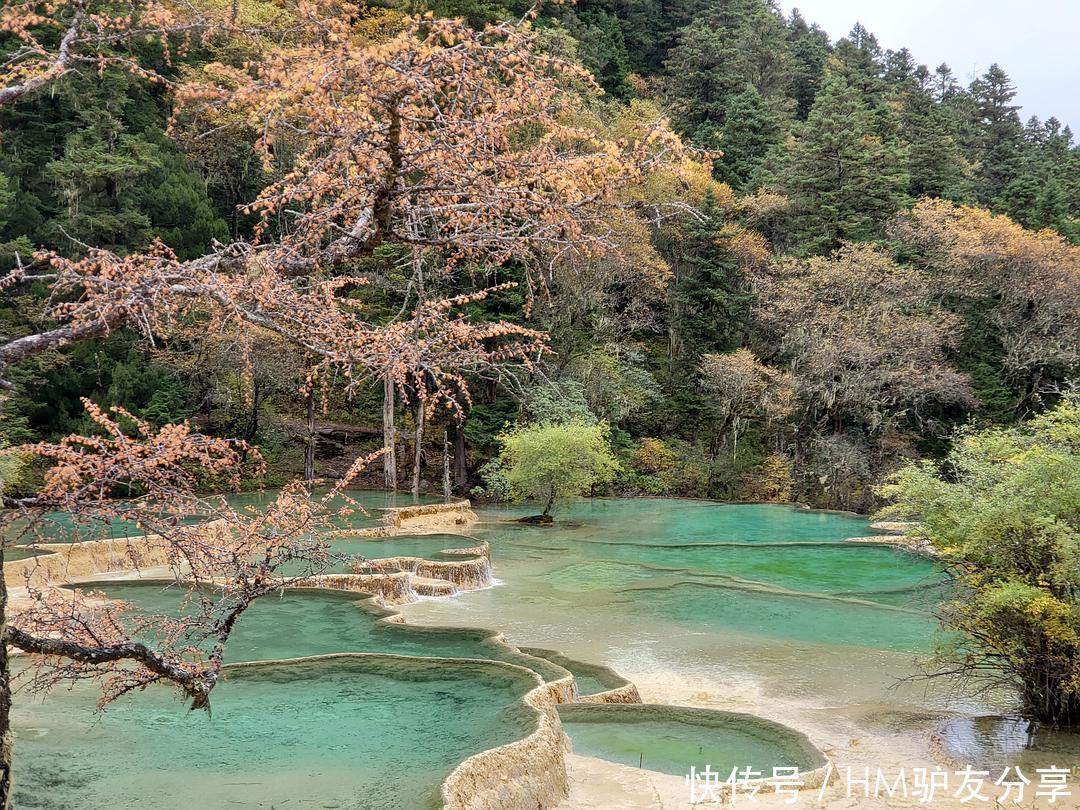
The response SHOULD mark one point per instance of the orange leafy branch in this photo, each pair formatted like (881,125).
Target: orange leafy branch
(222,564)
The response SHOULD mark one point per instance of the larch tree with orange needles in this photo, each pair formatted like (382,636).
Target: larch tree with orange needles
(457,144)
(461,146)
(48,39)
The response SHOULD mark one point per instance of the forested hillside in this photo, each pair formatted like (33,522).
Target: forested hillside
(848,255)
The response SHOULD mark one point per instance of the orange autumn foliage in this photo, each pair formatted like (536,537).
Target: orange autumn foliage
(1028,282)
(458,143)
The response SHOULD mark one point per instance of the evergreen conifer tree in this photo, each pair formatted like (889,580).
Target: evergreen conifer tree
(750,131)
(1000,132)
(843,179)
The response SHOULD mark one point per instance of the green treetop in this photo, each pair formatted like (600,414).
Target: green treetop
(999,125)
(752,129)
(843,178)
(550,462)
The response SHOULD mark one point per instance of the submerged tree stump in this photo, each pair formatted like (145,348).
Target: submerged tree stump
(537,520)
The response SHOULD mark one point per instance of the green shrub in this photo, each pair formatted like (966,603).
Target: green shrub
(1004,512)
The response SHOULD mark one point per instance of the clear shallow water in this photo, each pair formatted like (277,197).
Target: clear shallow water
(590,679)
(786,616)
(59,528)
(303,623)
(347,734)
(378,735)
(672,521)
(763,605)
(19,553)
(346,552)
(671,740)
(747,573)
(997,742)
(425,545)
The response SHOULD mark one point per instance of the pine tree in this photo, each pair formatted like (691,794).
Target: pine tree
(708,308)
(1052,207)
(1020,199)
(602,48)
(175,200)
(809,52)
(999,125)
(765,59)
(935,165)
(648,29)
(731,44)
(843,179)
(1039,197)
(860,62)
(702,75)
(900,67)
(99,174)
(945,83)
(709,296)
(751,130)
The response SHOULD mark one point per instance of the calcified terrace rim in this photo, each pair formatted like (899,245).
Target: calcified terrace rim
(527,772)
(811,778)
(530,772)
(619,689)
(397,579)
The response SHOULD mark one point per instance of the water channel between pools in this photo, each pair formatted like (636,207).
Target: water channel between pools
(764,602)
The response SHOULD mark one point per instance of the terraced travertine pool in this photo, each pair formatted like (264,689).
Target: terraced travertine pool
(348,552)
(59,527)
(647,584)
(372,733)
(667,738)
(349,733)
(766,604)
(759,608)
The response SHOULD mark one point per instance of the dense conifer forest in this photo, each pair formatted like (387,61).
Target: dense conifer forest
(884,251)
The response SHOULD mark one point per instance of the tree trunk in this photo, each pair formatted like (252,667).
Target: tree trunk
(550,503)
(461,471)
(309,455)
(445,467)
(418,417)
(389,435)
(7,741)
(253,418)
